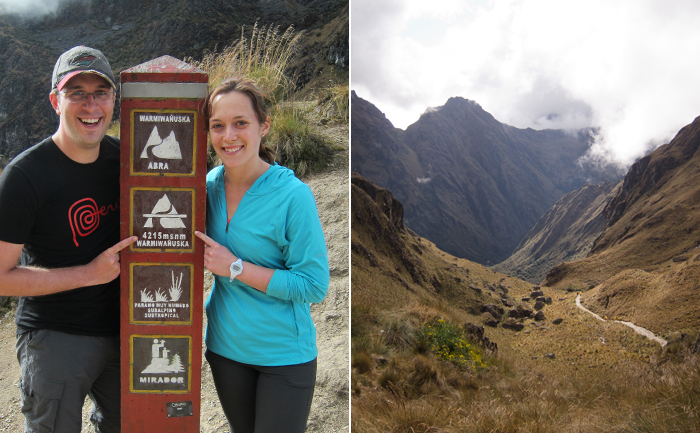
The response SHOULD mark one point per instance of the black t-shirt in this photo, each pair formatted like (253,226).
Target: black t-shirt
(65,213)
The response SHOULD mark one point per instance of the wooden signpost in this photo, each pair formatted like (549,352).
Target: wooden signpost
(163,175)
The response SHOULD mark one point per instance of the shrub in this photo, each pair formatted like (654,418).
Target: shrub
(298,146)
(447,342)
(264,57)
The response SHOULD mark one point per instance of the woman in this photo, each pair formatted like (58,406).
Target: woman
(267,251)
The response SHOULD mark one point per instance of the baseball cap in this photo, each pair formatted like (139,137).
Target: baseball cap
(79,60)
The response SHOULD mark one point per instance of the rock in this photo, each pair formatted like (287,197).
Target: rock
(380,360)
(536,293)
(474,288)
(539,316)
(514,313)
(476,332)
(557,321)
(539,305)
(696,346)
(549,355)
(525,299)
(525,310)
(511,323)
(489,320)
(540,299)
(507,302)
(495,310)
(548,300)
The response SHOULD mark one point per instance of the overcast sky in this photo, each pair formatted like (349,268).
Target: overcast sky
(630,67)
(29,7)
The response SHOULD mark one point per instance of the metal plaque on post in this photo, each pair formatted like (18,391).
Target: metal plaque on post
(163,193)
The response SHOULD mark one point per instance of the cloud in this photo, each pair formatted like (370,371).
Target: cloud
(626,67)
(29,8)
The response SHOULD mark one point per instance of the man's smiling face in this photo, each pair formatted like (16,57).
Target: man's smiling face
(84,123)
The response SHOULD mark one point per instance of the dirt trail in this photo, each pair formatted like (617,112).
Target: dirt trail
(638,329)
(330,408)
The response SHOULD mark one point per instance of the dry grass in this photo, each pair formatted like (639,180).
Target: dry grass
(334,103)
(263,56)
(423,394)
(295,132)
(603,378)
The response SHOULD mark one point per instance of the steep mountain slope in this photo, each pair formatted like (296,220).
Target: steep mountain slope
(469,183)
(645,266)
(565,233)
(130,32)
(21,55)
(392,267)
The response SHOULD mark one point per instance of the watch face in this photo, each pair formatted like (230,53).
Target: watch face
(236,267)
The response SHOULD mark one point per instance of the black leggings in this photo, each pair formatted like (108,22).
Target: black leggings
(259,399)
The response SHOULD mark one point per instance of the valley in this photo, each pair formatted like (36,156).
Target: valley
(626,251)
(580,375)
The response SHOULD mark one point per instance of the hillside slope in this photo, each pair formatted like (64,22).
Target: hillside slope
(645,266)
(394,269)
(565,233)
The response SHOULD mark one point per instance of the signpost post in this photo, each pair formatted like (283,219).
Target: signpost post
(163,175)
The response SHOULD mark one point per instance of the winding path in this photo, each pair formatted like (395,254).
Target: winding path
(638,329)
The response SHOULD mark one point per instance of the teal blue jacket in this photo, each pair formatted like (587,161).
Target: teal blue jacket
(276,225)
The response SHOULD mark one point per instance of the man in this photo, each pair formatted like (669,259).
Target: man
(59,218)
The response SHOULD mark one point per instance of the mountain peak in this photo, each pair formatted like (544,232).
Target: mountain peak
(469,183)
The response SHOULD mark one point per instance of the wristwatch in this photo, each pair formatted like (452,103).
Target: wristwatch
(236,269)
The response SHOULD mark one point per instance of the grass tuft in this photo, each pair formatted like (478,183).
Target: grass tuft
(298,144)
(263,56)
(294,134)
(334,103)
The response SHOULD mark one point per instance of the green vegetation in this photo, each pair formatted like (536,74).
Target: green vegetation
(298,144)
(295,128)
(414,354)
(447,342)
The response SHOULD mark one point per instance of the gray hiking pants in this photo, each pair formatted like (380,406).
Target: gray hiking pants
(58,371)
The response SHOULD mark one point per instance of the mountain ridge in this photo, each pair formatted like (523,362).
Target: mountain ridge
(469,183)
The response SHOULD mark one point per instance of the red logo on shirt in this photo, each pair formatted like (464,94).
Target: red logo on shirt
(84,217)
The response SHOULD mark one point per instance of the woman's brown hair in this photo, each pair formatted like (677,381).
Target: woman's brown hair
(249,88)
